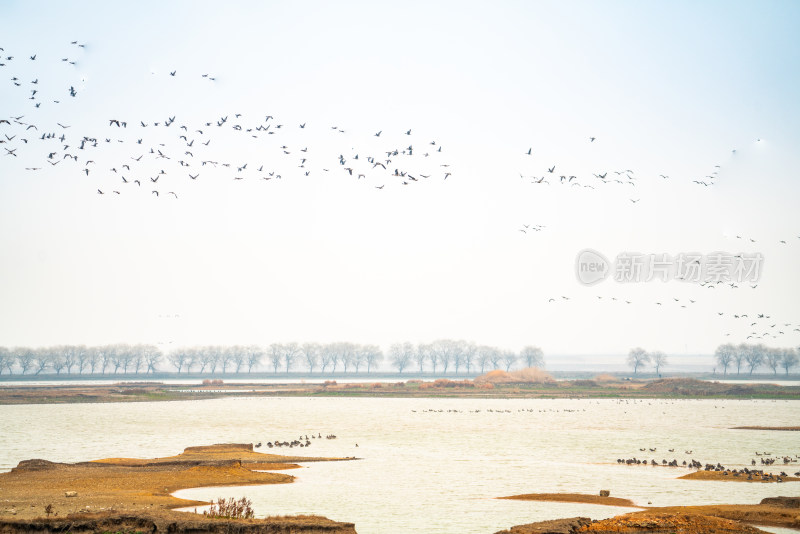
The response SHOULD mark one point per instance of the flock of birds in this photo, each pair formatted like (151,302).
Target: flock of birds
(748,472)
(159,156)
(164,157)
(302,441)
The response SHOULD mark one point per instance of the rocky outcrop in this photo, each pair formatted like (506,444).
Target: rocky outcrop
(637,523)
(784,502)
(556,526)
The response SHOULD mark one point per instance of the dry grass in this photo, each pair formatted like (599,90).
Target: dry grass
(529,375)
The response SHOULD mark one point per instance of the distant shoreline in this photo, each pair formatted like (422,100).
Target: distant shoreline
(670,388)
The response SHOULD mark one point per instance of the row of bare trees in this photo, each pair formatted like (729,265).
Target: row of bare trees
(639,357)
(754,356)
(346,357)
(446,354)
(442,356)
(81,359)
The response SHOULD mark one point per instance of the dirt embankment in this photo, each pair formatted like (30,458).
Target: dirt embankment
(173,523)
(636,524)
(779,428)
(136,488)
(573,497)
(732,518)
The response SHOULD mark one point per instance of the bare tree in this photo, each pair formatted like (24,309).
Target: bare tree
(254,355)
(359,357)
(137,358)
(24,357)
(56,359)
(81,357)
(459,351)
(754,356)
(401,355)
(41,360)
(373,355)
(724,356)
(106,355)
(433,356)
(789,359)
(178,359)
(484,356)
(275,356)
(637,357)
(532,356)
(310,352)
(198,357)
(327,357)
(5,358)
(70,357)
(290,353)
(152,357)
(739,356)
(93,358)
(214,355)
(470,350)
(495,356)
(659,360)
(343,353)
(509,358)
(773,359)
(227,355)
(239,357)
(441,352)
(421,355)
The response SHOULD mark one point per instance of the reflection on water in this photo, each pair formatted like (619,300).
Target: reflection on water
(433,465)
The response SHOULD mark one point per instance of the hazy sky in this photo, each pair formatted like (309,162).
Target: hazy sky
(694,91)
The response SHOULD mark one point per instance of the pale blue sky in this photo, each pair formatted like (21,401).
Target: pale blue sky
(665,88)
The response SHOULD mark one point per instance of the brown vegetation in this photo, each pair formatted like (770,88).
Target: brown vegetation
(529,375)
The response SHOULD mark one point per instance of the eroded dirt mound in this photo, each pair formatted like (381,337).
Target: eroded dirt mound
(175,523)
(556,526)
(667,523)
(784,502)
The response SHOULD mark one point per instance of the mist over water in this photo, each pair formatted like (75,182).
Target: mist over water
(433,465)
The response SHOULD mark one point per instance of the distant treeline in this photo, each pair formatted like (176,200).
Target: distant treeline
(754,356)
(441,356)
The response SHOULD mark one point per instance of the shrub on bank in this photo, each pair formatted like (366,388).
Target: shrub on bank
(231,509)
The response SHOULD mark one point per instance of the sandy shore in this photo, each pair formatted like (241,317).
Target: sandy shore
(135,486)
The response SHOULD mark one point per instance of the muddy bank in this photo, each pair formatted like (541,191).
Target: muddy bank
(174,523)
(636,524)
(734,518)
(779,428)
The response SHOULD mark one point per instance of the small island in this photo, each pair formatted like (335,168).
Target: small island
(127,494)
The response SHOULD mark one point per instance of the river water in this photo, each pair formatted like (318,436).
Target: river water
(434,465)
